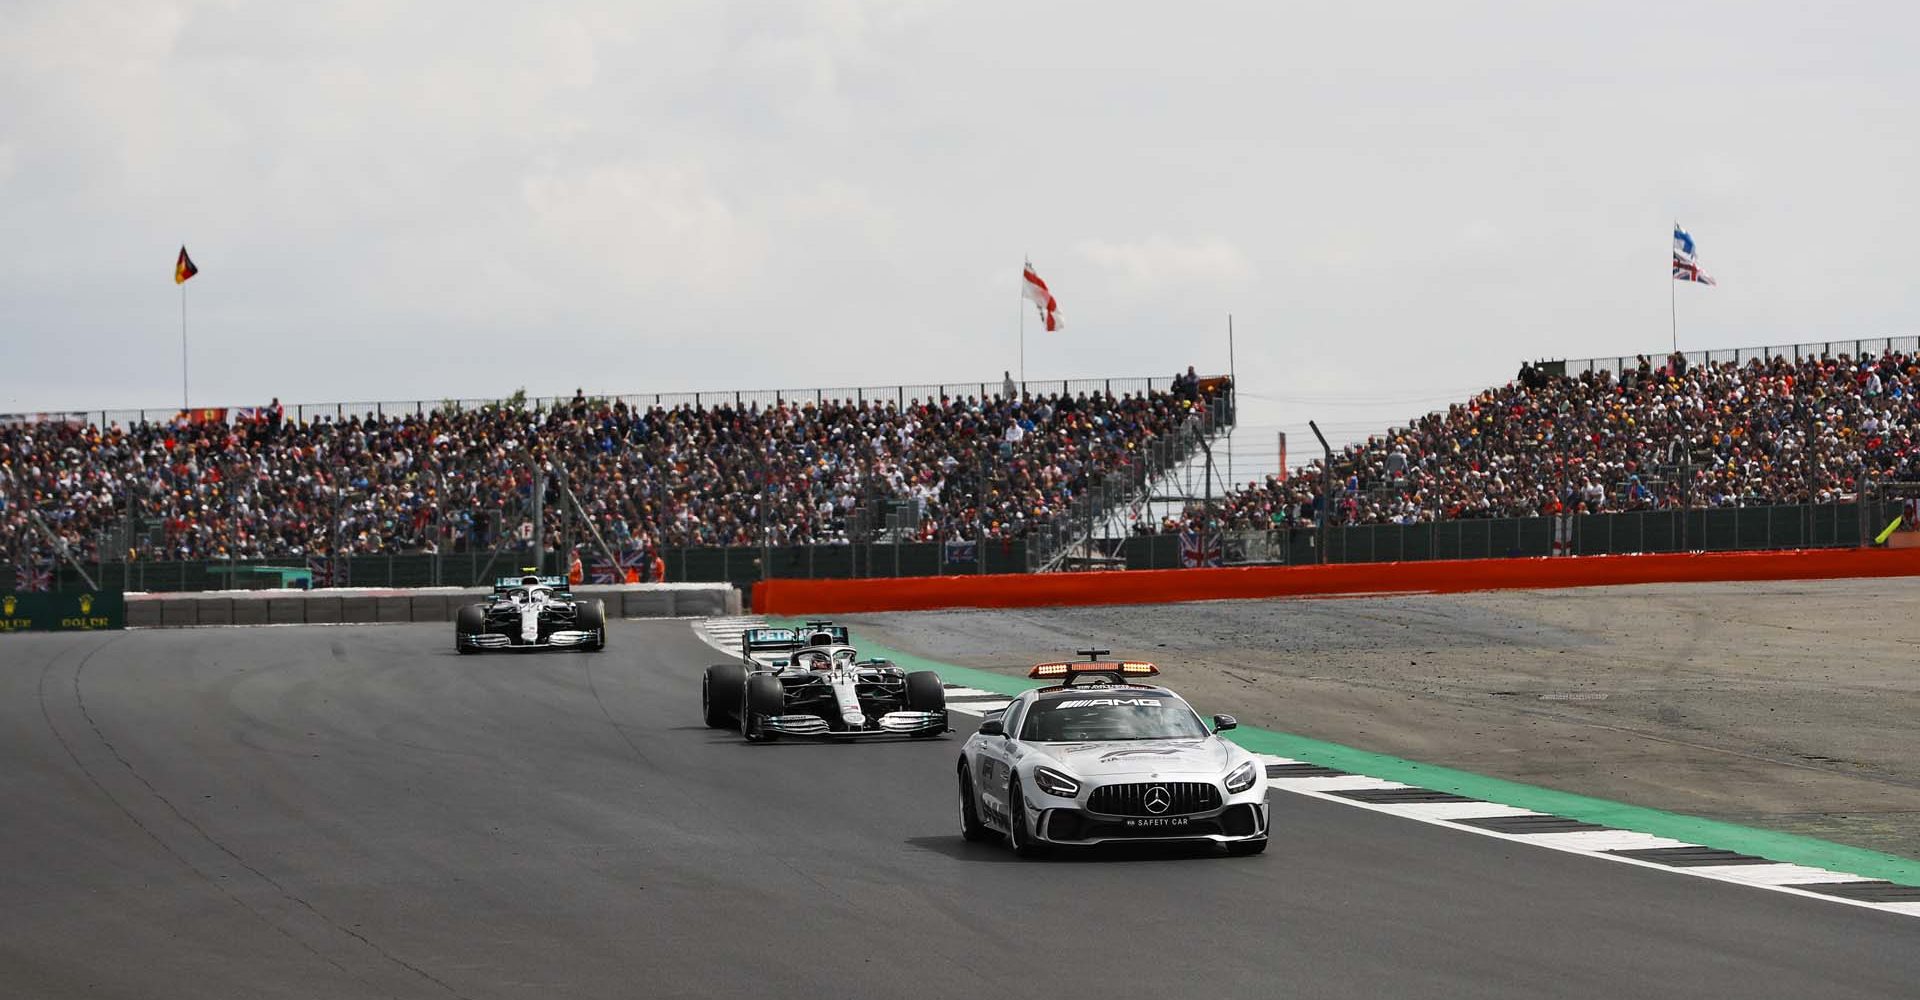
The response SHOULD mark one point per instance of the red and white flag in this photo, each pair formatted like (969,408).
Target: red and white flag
(1035,291)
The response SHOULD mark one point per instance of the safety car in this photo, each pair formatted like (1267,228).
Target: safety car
(1105,755)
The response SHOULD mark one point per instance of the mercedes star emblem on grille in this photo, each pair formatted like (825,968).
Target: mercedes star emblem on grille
(1158,800)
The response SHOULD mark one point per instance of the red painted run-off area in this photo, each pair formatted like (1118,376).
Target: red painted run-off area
(1038,590)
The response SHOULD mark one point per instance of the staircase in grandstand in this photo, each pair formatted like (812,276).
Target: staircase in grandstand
(1113,504)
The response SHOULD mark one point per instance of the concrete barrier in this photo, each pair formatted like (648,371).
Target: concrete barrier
(433,604)
(1160,586)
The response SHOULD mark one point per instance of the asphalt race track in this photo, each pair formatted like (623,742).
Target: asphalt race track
(357,811)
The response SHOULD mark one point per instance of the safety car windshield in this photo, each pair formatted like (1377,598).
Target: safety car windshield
(1098,717)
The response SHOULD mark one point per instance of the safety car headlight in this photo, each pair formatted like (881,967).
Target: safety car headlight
(1241,778)
(1053,782)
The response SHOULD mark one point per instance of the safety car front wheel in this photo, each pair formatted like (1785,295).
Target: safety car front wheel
(970,826)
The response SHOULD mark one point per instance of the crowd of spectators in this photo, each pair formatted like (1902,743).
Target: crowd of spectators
(1767,431)
(454,479)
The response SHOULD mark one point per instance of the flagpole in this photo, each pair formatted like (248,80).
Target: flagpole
(184,404)
(1673,311)
(1023,329)
(1233,388)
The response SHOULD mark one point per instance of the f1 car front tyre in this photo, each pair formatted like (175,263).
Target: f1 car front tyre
(764,696)
(720,693)
(925,693)
(469,620)
(593,615)
(970,826)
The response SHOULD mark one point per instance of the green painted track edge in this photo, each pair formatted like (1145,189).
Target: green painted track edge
(1773,845)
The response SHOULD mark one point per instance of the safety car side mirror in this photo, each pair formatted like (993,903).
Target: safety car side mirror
(992,727)
(1222,723)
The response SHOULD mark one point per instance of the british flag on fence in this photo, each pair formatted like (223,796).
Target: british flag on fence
(1197,549)
(33,576)
(602,571)
(323,570)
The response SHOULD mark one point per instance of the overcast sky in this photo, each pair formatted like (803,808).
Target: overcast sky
(1397,202)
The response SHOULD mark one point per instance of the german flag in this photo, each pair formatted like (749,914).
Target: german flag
(183,268)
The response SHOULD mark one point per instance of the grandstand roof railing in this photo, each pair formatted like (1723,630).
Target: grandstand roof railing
(1741,355)
(900,395)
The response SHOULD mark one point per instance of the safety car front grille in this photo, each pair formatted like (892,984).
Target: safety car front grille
(1135,799)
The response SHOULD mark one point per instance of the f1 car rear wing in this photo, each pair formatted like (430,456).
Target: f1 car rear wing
(505,583)
(769,640)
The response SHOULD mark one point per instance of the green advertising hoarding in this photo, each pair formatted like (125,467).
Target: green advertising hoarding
(67,611)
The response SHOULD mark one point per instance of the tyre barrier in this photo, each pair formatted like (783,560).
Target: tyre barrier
(793,597)
(365,605)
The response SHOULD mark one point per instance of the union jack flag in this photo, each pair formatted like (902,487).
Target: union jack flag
(1686,264)
(324,569)
(1197,549)
(33,577)
(602,571)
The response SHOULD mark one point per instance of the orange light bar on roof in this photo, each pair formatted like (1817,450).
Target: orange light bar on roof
(1133,668)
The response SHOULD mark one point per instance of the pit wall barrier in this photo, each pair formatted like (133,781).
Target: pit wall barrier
(780,597)
(365,605)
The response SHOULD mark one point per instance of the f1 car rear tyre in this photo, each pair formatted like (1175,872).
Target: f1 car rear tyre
(720,693)
(593,615)
(765,696)
(469,620)
(970,826)
(1247,848)
(1018,836)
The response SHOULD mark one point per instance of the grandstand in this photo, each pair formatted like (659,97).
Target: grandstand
(1738,428)
(1748,448)
(929,465)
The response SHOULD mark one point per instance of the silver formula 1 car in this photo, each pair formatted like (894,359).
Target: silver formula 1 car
(531,612)
(1104,756)
(791,683)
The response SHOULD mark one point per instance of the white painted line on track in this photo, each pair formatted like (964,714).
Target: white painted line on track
(1451,810)
(1774,875)
(1603,840)
(1338,783)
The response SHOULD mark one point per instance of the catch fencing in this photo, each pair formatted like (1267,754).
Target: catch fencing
(899,395)
(736,565)
(1741,355)
(1716,529)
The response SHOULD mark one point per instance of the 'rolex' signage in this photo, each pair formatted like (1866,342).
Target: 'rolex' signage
(71,611)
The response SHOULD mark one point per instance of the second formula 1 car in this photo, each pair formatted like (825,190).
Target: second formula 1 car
(790,684)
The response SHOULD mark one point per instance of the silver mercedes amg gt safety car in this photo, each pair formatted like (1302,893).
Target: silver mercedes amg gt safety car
(1102,757)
